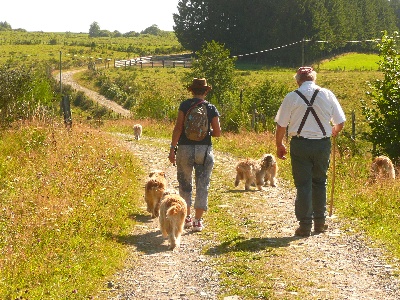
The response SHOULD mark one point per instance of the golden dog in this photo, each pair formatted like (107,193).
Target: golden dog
(254,171)
(154,191)
(172,218)
(137,131)
(382,168)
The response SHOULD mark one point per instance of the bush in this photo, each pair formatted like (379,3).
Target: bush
(383,115)
(24,93)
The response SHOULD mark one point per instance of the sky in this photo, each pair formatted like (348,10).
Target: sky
(78,15)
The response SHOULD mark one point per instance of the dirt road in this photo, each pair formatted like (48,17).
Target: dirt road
(339,264)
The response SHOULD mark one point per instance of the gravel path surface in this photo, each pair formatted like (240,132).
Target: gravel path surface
(66,78)
(339,264)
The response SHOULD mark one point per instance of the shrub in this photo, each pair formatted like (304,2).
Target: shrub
(383,113)
(24,93)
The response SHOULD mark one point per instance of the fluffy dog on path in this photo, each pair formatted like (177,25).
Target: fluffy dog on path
(272,171)
(382,168)
(154,191)
(137,131)
(172,218)
(254,171)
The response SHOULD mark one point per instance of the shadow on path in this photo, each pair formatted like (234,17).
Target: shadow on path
(250,245)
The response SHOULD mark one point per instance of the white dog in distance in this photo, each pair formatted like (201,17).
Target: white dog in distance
(137,131)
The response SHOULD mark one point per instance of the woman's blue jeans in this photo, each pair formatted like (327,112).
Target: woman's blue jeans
(199,158)
(310,162)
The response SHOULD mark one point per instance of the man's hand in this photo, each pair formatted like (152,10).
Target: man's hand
(281,151)
(280,147)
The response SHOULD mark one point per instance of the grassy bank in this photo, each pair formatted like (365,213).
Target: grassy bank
(66,198)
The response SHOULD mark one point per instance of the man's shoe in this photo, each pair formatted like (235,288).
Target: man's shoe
(320,228)
(301,231)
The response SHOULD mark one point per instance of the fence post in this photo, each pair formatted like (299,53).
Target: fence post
(353,125)
(65,105)
(253,118)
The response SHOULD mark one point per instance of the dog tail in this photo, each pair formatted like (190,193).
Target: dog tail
(174,210)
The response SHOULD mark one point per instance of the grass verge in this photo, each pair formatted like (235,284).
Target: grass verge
(66,198)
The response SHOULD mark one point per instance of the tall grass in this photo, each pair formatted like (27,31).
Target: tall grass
(66,198)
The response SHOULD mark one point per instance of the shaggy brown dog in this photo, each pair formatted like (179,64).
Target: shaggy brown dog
(137,131)
(382,168)
(172,218)
(254,171)
(272,172)
(154,191)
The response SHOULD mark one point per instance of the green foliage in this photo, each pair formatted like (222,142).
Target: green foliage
(242,27)
(264,102)
(153,29)
(94,30)
(5,26)
(26,92)
(216,65)
(80,100)
(383,113)
(78,49)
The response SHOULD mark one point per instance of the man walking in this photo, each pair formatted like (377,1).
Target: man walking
(308,113)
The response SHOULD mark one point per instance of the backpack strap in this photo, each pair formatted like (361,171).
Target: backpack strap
(309,109)
(201,101)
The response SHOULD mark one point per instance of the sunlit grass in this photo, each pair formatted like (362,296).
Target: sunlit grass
(66,198)
(351,62)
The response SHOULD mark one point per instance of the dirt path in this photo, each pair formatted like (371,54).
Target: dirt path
(66,78)
(339,264)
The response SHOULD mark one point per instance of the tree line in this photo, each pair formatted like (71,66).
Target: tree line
(96,31)
(248,26)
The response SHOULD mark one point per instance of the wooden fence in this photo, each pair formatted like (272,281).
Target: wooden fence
(143,62)
(171,61)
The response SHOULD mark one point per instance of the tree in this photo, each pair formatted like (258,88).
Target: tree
(190,23)
(216,65)
(383,113)
(153,30)
(94,30)
(251,28)
(5,26)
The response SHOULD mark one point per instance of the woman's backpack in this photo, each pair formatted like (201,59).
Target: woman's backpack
(196,121)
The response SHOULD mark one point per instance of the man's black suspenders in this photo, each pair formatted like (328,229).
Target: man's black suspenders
(309,109)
